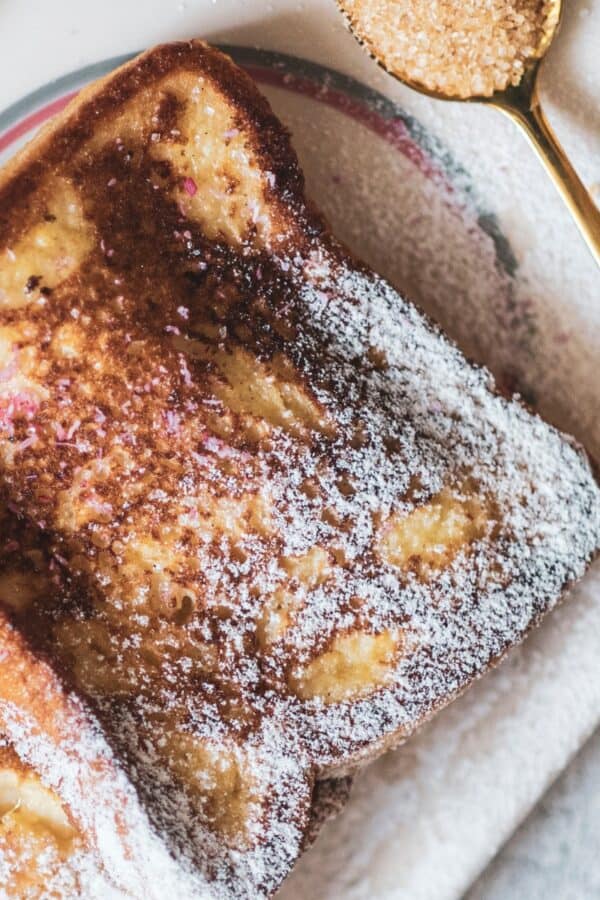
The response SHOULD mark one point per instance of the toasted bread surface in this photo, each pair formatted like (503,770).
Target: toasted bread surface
(289,521)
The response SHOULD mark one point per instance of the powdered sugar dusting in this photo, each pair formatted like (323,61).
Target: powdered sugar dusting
(448,418)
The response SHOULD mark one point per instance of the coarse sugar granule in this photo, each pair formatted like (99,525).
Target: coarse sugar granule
(460,48)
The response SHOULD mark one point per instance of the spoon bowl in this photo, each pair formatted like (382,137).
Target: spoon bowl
(521,102)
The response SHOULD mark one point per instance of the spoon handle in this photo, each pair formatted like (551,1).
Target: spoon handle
(527,112)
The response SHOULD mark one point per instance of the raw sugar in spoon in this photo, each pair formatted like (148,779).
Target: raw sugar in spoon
(482,52)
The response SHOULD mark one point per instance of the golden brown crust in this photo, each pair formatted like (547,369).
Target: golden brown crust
(66,132)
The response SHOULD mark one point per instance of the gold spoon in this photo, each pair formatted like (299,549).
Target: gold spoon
(521,103)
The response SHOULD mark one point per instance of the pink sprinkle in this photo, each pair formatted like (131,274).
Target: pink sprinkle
(183,368)
(111,182)
(202,461)
(28,442)
(231,133)
(73,429)
(20,405)
(220,448)
(172,329)
(99,416)
(187,235)
(9,370)
(190,186)
(172,420)
(183,311)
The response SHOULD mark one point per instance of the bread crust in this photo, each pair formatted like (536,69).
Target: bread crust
(77,121)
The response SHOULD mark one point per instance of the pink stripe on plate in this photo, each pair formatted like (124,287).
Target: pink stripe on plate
(394,131)
(34,119)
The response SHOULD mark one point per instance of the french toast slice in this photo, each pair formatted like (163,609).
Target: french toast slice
(289,519)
